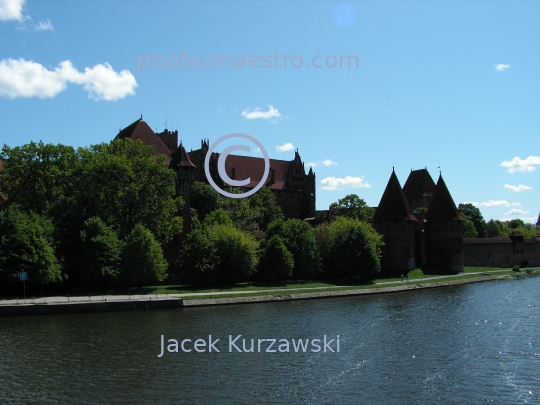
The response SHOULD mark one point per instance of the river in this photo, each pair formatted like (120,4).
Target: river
(475,343)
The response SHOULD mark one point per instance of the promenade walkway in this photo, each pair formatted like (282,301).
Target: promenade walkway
(101,298)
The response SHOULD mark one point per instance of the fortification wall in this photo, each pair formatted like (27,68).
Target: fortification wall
(501,252)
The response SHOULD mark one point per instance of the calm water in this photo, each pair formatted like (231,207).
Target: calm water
(477,343)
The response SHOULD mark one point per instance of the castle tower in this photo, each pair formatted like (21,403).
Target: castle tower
(185,176)
(419,188)
(310,192)
(395,220)
(169,139)
(444,229)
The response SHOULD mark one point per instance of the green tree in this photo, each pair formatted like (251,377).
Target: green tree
(142,258)
(264,201)
(36,175)
(352,206)
(300,240)
(204,199)
(217,217)
(497,229)
(101,250)
(26,244)
(516,223)
(473,214)
(236,252)
(276,262)
(244,216)
(470,230)
(333,239)
(198,260)
(139,189)
(355,254)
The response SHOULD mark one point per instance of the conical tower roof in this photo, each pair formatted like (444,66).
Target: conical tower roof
(419,184)
(181,158)
(393,205)
(442,207)
(538,221)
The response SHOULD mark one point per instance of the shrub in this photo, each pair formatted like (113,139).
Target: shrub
(236,252)
(416,273)
(142,258)
(198,259)
(333,240)
(515,268)
(298,237)
(276,262)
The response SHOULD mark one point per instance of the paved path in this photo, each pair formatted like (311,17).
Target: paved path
(59,299)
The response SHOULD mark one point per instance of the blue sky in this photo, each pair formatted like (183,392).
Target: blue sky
(454,84)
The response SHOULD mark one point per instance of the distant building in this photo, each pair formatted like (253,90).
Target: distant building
(419,238)
(294,190)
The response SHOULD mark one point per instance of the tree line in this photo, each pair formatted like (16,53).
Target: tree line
(100,216)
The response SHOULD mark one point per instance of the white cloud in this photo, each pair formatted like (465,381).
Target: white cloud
(285,147)
(522,166)
(328,162)
(44,26)
(333,183)
(22,78)
(312,164)
(499,203)
(517,189)
(516,211)
(501,67)
(11,10)
(258,114)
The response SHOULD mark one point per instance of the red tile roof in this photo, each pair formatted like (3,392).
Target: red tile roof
(253,167)
(442,207)
(140,130)
(393,205)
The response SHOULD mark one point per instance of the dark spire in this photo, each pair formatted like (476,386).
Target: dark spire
(181,158)
(419,184)
(538,221)
(442,207)
(393,205)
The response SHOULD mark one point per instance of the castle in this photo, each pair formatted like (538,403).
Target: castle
(416,237)
(293,188)
(420,222)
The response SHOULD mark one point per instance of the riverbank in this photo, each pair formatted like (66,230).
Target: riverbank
(120,303)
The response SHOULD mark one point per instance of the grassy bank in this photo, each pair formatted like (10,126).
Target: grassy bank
(310,286)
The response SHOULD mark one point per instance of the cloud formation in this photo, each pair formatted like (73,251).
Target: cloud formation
(517,189)
(516,211)
(44,25)
(326,162)
(501,67)
(258,114)
(22,78)
(11,10)
(498,203)
(334,183)
(285,147)
(522,166)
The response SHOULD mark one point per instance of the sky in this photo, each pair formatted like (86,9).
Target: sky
(358,88)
